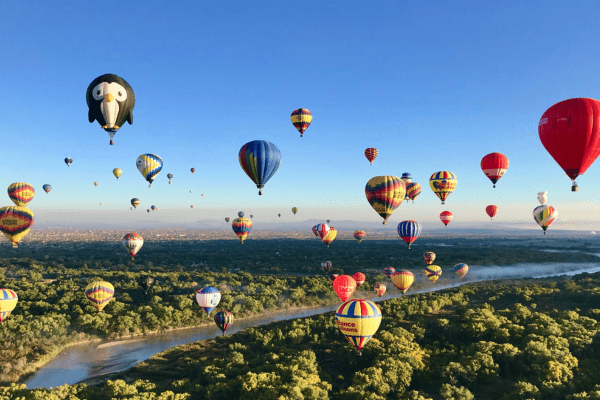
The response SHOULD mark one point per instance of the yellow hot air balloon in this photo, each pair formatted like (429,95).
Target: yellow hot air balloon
(330,237)
(294,210)
(385,193)
(99,293)
(443,183)
(15,223)
(8,302)
(403,280)
(117,172)
(358,320)
(21,193)
(433,272)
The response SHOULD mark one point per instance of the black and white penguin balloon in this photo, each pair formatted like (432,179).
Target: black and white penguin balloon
(110,100)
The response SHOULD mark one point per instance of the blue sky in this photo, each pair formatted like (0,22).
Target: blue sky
(433,85)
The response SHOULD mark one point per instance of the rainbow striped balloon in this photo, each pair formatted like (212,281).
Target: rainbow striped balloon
(359,235)
(358,320)
(15,223)
(99,293)
(461,269)
(223,319)
(433,272)
(21,193)
(8,302)
(443,183)
(413,190)
(544,216)
(242,227)
(385,194)
(260,160)
(301,118)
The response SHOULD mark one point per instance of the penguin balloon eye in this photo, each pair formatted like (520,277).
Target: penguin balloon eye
(118,91)
(99,91)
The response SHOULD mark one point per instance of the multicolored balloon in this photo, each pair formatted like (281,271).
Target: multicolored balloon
(47,188)
(359,277)
(491,210)
(99,293)
(330,236)
(380,289)
(443,184)
(429,257)
(68,161)
(433,272)
(15,222)
(322,230)
(227,219)
(223,319)
(413,190)
(294,210)
(132,242)
(371,153)
(149,166)
(314,230)
(359,235)
(21,193)
(409,231)
(208,298)
(260,160)
(193,170)
(301,118)
(389,271)
(446,217)
(153,208)
(406,178)
(385,194)
(542,197)
(135,202)
(326,265)
(461,269)
(494,165)
(8,302)
(358,321)
(543,215)
(403,280)
(242,227)
(344,286)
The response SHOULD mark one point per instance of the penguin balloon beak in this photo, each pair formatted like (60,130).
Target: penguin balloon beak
(109,97)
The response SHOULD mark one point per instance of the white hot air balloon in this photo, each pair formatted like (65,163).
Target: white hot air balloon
(132,242)
(542,197)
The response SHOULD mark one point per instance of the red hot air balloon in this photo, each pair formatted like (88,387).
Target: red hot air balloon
(360,278)
(371,153)
(491,211)
(193,170)
(494,165)
(446,217)
(570,132)
(344,286)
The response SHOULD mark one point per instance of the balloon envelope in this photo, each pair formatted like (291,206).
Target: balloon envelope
(15,222)
(461,269)
(132,242)
(544,216)
(135,202)
(359,235)
(446,217)
(371,153)
(68,161)
(223,319)
(301,118)
(242,227)
(413,190)
(443,184)
(8,302)
(99,293)
(294,210)
(494,165)
(21,193)
(208,298)
(385,194)
(330,237)
(325,265)
(145,282)
(260,160)
(409,231)
(47,188)
(344,286)
(403,280)
(358,320)
(149,166)
(117,172)
(433,272)
(491,210)
(429,257)
(380,289)
(359,277)
(542,197)
(389,271)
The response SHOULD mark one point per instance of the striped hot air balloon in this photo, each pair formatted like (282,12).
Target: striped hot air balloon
(461,269)
(208,298)
(99,293)
(149,166)
(314,230)
(242,228)
(8,302)
(322,230)
(433,272)
(359,235)
(544,216)
(409,231)
(429,257)
(413,190)
(358,320)
(224,319)
(21,193)
(406,178)
(371,153)
(494,165)
(443,183)
(403,280)
(380,289)
(135,202)
(301,118)
(385,194)
(389,271)
(446,217)
(15,222)
(260,160)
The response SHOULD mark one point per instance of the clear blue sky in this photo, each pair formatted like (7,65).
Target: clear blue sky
(433,85)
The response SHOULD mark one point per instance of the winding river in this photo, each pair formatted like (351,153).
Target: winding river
(87,360)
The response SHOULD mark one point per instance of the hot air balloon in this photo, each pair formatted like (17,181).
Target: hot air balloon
(8,302)
(406,178)
(542,197)
(433,272)
(371,153)
(148,210)
(110,100)
(380,289)
(328,221)
(68,161)
(322,230)
(413,190)
(429,257)
(461,269)
(294,210)
(359,277)
(95,183)
(279,215)
(100,203)
(389,271)
(301,118)
(170,176)
(149,166)
(227,219)
(135,202)
(259,160)
(494,165)
(314,229)
(241,214)
(569,132)
(15,222)
(344,286)
(403,280)
(491,211)
(385,193)
(193,170)
(153,208)
(117,172)
(359,235)
(132,242)
(241,227)
(325,265)
(99,293)
(333,277)
(223,319)
(358,320)
(446,217)
(208,298)
(47,188)
(543,215)
(409,231)
(21,193)
(443,183)
(192,206)
(330,236)
(251,216)
(145,282)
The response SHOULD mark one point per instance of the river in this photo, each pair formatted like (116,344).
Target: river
(87,360)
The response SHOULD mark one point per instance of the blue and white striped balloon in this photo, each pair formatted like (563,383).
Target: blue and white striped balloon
(409,231)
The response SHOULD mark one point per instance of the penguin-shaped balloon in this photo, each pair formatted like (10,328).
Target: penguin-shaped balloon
(110,100)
